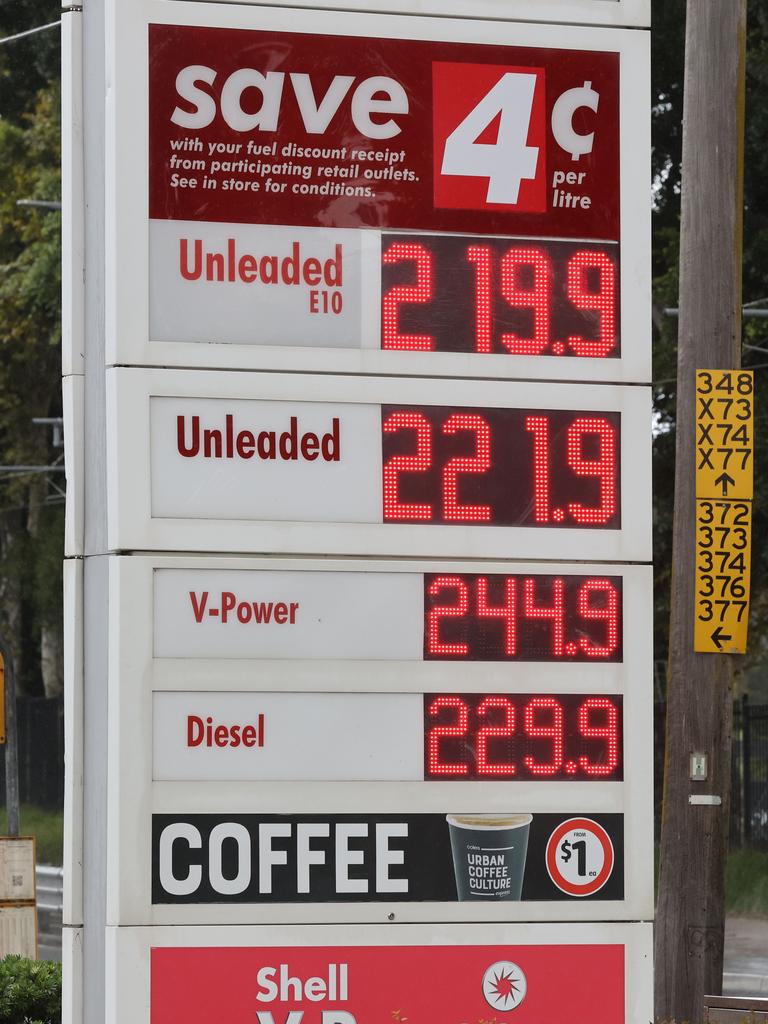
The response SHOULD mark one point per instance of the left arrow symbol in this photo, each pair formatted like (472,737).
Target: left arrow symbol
(718,636)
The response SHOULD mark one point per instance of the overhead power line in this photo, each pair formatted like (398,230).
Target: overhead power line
(30,32)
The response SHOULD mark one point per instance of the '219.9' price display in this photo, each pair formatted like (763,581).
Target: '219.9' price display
(524,297)
(501,467)
(522,618)
(523,736)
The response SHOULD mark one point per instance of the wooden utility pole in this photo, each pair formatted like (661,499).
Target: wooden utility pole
(694,837)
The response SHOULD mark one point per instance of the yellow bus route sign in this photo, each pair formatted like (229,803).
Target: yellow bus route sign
(725,449)
(724,490)
(723,552)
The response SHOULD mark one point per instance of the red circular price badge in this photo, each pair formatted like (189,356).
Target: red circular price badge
(579,857)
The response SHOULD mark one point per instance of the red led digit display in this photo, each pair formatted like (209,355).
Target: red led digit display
(528,297)
(501,467)
(523,736)
(522,618)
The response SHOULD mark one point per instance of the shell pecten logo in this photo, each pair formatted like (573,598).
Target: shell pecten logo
(504,985)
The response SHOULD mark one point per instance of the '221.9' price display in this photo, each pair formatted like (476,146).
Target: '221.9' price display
(501,467)
(522,618)
(523,736)
(524,297)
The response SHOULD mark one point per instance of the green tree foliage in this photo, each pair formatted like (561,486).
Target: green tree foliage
(667,55)
(27,65)
(31,509)
(668,51)
(30,991)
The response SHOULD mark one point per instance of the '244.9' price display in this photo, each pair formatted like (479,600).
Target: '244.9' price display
(522,618)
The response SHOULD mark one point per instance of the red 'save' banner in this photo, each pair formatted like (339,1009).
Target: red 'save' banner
(329,131)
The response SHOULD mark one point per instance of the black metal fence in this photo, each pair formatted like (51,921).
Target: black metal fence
(40,723)
(750,760)
(749,772)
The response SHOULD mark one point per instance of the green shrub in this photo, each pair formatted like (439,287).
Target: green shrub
(747,881)
(30,991)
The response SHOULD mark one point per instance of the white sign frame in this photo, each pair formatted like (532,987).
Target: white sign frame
(131,525)
(127,202)
(133,796)
(636,13)
(128,951)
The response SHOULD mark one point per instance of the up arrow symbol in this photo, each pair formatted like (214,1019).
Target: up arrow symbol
(725,481)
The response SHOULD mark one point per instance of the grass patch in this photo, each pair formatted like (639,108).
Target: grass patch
(746,882)
(46,826)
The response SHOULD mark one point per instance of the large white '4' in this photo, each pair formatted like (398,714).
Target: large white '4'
(509,160)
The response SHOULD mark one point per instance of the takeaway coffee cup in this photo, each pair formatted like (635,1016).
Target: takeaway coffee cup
(489,854)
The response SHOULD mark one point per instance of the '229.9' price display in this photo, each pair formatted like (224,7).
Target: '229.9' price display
(524,297)
(522,618)
(523,736)
(501,467)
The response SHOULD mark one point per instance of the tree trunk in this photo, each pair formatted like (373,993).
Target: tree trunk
(51,660)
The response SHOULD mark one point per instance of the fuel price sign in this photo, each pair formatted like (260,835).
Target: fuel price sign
(520,737)
(457,616)
(338,737)
(375,306)
(574,618)
(351,210)
(537,460)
